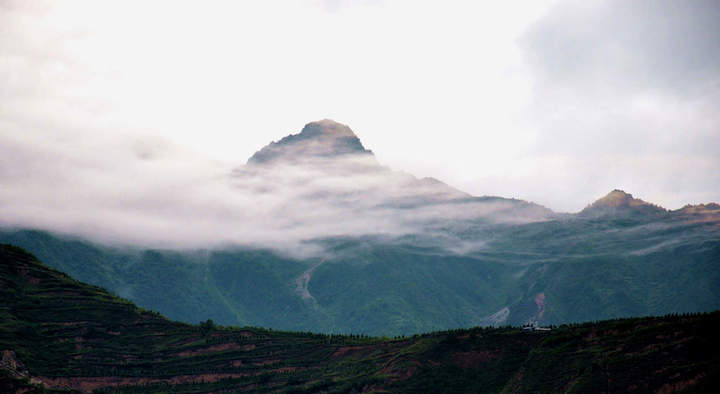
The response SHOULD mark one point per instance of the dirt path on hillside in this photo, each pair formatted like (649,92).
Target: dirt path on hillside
(302,282)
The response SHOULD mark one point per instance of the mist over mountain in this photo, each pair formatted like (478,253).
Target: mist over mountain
(316,184)
(326,173)
(314,234)
(387,196)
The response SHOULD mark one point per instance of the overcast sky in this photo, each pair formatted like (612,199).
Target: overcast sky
(549,101)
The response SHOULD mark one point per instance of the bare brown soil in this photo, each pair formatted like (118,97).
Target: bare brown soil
(474,359)
(215,349)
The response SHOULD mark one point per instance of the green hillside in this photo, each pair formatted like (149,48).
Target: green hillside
(59,334)
(569,269)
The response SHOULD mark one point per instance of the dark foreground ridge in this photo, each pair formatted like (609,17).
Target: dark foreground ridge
(60,334)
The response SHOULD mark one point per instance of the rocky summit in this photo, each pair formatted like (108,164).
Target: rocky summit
(318,140)
(617,203)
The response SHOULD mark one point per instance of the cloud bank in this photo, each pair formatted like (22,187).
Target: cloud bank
(129,190)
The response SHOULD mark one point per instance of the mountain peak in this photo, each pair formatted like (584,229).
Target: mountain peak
(327,127)
(617,198)
(321,139)
(618,202)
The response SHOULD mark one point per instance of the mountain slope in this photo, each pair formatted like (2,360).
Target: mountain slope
(255,287)
(357,247)
(58,333)
(552,272)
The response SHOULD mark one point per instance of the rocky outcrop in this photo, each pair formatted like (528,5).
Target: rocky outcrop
(12,364)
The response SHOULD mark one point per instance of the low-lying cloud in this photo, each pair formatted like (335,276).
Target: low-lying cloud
(126,189)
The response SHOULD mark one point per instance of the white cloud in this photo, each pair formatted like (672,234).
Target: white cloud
(126,189)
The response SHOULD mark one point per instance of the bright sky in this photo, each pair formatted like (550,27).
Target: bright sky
(549,101)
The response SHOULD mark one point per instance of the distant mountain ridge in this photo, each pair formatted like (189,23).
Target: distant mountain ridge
(327,139)
(701,209)
(618,202)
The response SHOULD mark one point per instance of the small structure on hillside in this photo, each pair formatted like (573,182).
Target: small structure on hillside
(535,327)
